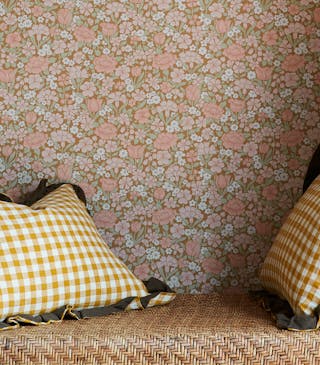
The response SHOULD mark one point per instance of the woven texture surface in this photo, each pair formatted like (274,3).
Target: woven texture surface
(193,329)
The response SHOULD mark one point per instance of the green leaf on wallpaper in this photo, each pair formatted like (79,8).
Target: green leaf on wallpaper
(11,158)
(96,52)
(139,81)
(204,4)
(140,126)
(140,235)
(122,108)
(265,4)
(10,4)
(166,73)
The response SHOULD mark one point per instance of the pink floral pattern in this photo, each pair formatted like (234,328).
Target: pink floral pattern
(189,124)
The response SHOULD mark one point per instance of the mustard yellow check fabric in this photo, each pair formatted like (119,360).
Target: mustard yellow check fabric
(292,266)
(52,255)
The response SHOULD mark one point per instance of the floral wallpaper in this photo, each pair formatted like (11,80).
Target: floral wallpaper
(189,124)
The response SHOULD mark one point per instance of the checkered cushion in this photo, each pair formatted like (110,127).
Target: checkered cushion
(52,255)
(292,266)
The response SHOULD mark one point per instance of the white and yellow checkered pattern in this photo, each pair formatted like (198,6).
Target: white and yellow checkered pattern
(52,255)
(292,266)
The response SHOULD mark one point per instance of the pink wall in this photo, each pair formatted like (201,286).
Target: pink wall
(189,124)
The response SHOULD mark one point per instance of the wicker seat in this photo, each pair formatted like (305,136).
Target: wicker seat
(193,329)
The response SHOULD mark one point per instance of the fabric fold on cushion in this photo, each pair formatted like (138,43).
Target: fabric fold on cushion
(160,292)
(284,316)
(5,197)
(43,189)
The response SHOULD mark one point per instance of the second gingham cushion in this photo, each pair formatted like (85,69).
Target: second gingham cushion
(51,255)
(292,266)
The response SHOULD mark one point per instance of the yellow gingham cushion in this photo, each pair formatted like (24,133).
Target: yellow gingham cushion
(52,255)
(292,266)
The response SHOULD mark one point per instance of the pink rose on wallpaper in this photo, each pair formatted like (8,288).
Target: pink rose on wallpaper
(234,207)
(134,39)
(37,166)
(191,3)
(263,148)
(263,228)
(211,265)
(109,28)
(165,242)
(223,25)
(31,117)
(165,141)
(291,79)
(6,150)
(164,61)
(316,15)
(159,38)
(135,226)
(64,16)
(142,115)
(192,156)
(136,151)
(105,219)
(314,45)
(193,248)
(84,34)
(211,110)
(287,115)
(293,9)
(163,216)
(233,140)
(142,271)
(236,105)
(162,157)
(106,131)
(88,189)
(7,75)
(270,192)
(291,138)
(270,37)
(222,181)
(165,87)
(264,73)
(64,171)
(187,278)
(192,92)
(234,52)
(37,64)
(37,11)
(13,39)
(35,140)
(104,63)
(108,184)
(293,62)
(136,71)
(237,260)
(94,104)
(159,193)
(313,133)
(294,164)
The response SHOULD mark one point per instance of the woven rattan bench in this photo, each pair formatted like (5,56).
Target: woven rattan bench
(193,329)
